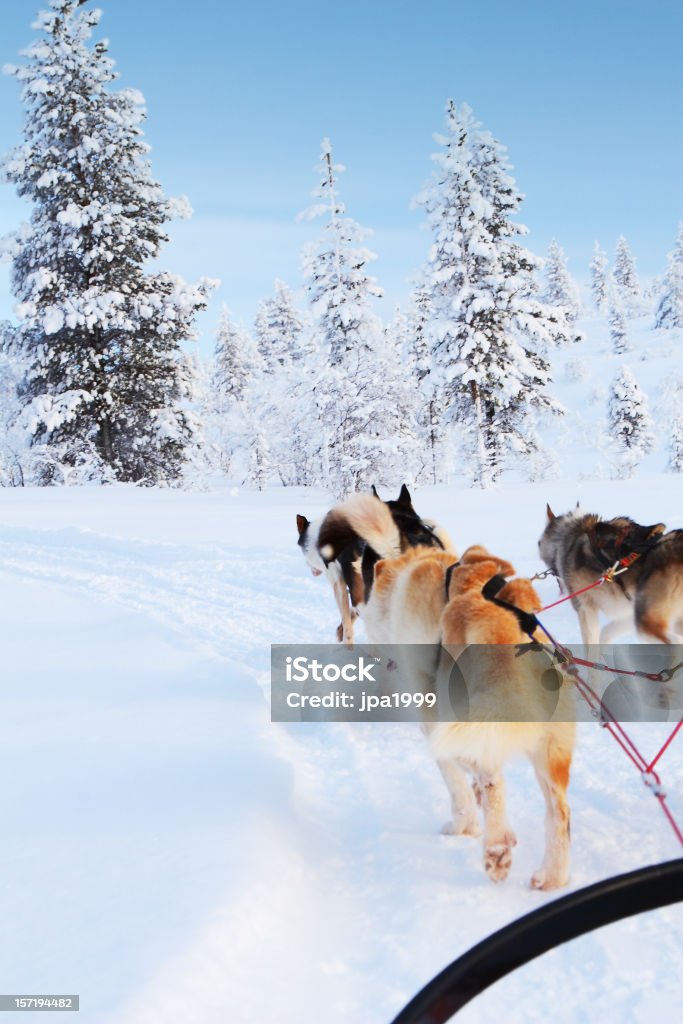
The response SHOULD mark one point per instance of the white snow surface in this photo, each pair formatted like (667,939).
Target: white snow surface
(173,856)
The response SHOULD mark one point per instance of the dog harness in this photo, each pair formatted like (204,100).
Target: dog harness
(527,620)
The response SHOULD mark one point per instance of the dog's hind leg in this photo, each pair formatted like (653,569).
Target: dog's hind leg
(589,623)
(499,839)
(551,764)
(465,821)
(592,638)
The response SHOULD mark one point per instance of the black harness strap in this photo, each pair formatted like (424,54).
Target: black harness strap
(625,540)
(527,620)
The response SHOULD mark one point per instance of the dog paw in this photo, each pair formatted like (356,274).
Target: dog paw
(498,860)
(545,880)
(461,827)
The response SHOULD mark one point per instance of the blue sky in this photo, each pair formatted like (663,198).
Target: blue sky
(587,97)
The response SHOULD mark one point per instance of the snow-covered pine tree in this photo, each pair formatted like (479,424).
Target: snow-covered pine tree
(404,452)
(670,421)
(353,418)
(284,343)
(488,329)
(417,349)
(675,463)
(12,438)
(260,467)
(625,273)
(415,352)
(202,464)
(670,305)
(561,289)
(105,387)
(237,367)
(653,287)
(617,323)
(629,423)
(278,329)
(236,360)
(599,278)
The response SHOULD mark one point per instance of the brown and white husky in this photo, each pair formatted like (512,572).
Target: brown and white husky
(422,598)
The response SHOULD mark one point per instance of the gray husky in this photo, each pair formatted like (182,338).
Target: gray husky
(579,548)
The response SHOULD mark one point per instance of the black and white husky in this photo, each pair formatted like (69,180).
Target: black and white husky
(347,542)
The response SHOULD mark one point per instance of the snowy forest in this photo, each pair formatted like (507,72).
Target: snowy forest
(99,381)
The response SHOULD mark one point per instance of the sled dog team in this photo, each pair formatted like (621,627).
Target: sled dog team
(402,574)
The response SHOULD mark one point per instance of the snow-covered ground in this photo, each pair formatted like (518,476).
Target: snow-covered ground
(173,856)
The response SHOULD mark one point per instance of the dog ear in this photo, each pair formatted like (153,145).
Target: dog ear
(404,497)
(374,492)
(522,593)
(379,568)
(656,531)
(475,553)
(505,568)
(550,514)
(302,524)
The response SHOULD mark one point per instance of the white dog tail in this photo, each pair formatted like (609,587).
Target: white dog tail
(373,521)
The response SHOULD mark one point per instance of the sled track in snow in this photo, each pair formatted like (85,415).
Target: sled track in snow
(218,597)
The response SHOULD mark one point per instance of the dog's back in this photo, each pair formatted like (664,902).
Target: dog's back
(408,597)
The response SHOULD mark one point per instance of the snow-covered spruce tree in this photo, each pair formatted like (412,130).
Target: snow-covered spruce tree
(670,305)
(624,273)
(105,382)
(415,354)
(283,341)
(260,466)
(404,450)
(653,288)
(202,464)
(670,423)
(629,423)
(560,289)
(675,463)
(237,368)
(617,323)
(353,418)
(488,330)
(278,329)
(599,278)
(12,438)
